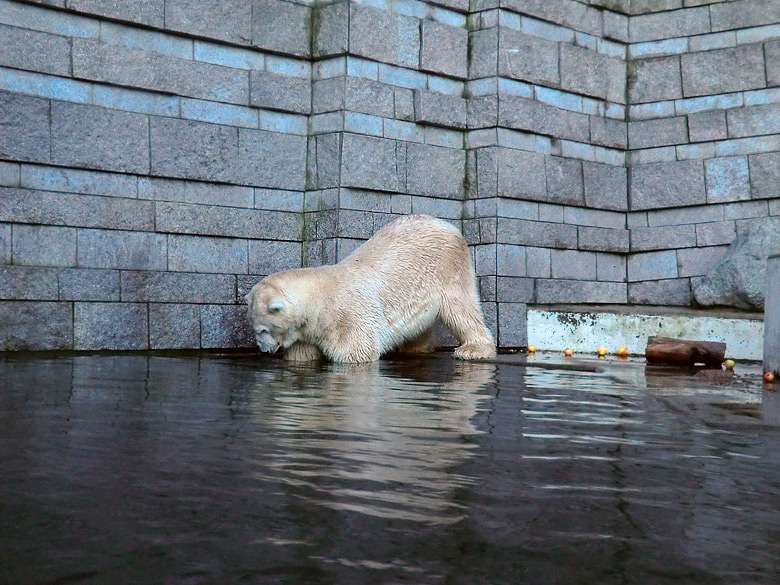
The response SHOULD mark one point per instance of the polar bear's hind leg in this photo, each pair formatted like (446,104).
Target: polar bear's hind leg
(463,316)
(420,344)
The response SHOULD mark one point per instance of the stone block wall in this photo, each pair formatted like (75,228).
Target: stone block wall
(157,158)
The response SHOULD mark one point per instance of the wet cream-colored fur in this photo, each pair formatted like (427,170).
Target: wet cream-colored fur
(386,295)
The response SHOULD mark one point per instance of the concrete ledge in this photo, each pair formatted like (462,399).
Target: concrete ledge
(585,328)
(772,316)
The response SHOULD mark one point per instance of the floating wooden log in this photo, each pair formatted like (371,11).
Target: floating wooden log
(667,350)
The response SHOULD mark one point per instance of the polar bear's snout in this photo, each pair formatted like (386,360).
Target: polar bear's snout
(265,340)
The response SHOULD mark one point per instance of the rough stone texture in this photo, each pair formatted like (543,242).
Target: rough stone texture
(671,184)
(373,163)
(578,291)
(764,174)
(444,49)
(147,69)
(754,121)
(660,132)
(20,326)
(533,116)
(435,171)
(564,180)
(723,71)
(520,174)
(37,245)
(512,325)
(77,284)
(772,51)
(174,326)
(584,71)
(99,138)
(28,283)
(739,279)
(225,326)
(652,266)
(369,97)
(727,179)
(226,20)
(25,124)
(439,109)
(119,249)
(34,51)
(384,36)
(606,186)
(661,292)
(280,92)
(331,29)
(652,80)
(709,125)
(172,287)
(110,326)
(149,12)
(281,26)
(528,58)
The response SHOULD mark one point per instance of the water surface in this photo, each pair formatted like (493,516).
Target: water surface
(239,469)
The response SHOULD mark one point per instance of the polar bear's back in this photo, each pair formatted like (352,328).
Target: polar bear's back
(412,245)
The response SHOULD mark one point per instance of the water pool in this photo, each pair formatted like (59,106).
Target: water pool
(238,469)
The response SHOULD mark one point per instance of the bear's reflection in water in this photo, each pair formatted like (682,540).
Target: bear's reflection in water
(386,444)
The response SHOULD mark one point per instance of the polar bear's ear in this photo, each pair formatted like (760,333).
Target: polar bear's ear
(275,305)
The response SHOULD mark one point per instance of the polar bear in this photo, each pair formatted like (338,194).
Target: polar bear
(386,295)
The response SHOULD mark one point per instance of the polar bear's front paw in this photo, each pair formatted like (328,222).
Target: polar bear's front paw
(302,352)
(475,351)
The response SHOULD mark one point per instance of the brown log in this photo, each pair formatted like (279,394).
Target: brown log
(668,350)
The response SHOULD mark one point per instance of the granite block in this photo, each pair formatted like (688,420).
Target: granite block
(114,326)
(723,71)
(369,97)
(484,53)
(148,12)
(209,255)
(268,256)
(27,206)
(611,267)
(772,55)
(644,239)
(745,13)
(20,326)
(573,264)
(564,180)
(512,325)
(25,124)
(521,174)
(669,184)
(330,34)
(754,121)
(86,284)
(174,326)
(676,291)
(157,189)
(225,326)
(28,283)
(536,233)
(606,186)
(528,58)
(194,150)
(513,290)
(716,234)
(608,132)
(764,174)
(654,80)
(281,26)
(439,109)
(99,138)
(510,260)
(5,243)
(226,20)
(667,25)
(435,171)
(699,261)
(584,71)
(660,132)
(603,239)
(120,249)
(579,291)
(727,179)
(373,163)
(78,181)
(280,92)
(444,49)
(36,245)
(524,114)
(384,36)
(34,51)
(271,159)
(146,69)
(708,125)
(652,266)
(173,287)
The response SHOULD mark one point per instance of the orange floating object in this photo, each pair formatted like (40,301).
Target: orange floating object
(729,364)
(568,351)
(622,351)
(531,349)
(602,350)
(769,377)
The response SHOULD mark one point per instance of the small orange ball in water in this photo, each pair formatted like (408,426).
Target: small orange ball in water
(602,350)
(769,377)
(568,351)
(729,364)
(622,350)
(531,349)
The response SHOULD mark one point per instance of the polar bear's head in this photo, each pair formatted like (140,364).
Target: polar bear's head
(273,317)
